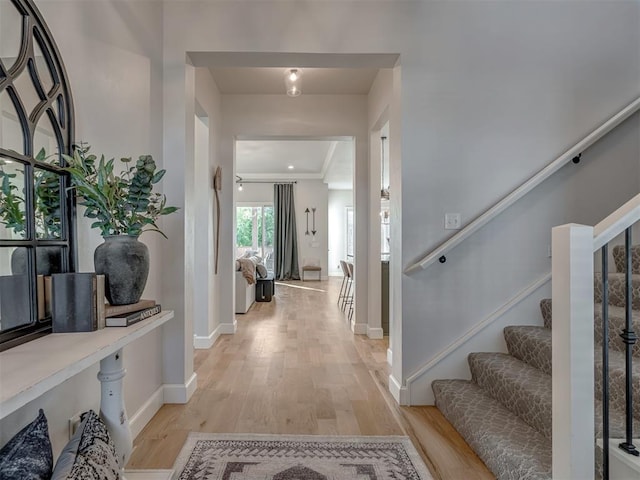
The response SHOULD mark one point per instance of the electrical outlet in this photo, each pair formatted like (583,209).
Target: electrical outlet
(74,422)
(452,221)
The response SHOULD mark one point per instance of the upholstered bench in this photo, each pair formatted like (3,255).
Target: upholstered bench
(312,268)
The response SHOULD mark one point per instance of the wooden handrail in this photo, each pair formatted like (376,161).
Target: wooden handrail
(525,188)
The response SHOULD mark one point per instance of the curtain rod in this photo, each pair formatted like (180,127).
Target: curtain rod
(264,181)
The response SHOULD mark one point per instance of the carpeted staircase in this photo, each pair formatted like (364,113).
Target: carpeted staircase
(504,412)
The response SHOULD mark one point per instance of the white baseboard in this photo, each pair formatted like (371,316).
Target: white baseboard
(359,328)
(146,412)
(376,332)
(179,393)
(228,328)
(398,392)
(205,343)
(389,357)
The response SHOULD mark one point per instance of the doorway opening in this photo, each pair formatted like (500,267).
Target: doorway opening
(321,172)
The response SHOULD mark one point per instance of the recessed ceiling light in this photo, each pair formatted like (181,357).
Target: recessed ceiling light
(290,167)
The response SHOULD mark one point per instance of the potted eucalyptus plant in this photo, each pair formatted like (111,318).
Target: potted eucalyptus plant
(47,216)
(122,204)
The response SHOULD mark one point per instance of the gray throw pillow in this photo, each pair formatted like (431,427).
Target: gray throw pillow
(90,454)
(28,455)
(261,270)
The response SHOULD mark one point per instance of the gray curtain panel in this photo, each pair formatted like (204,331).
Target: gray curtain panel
(286,236)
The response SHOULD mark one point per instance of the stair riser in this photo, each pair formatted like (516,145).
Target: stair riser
(533,349)
(532,405)
(616,327)
(617,386)
(619,259)
(617,287)
(545,309)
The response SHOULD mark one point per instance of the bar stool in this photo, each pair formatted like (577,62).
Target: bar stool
(349,297)
(343,267)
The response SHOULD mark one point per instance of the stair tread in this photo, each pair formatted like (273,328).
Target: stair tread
(530,344)
(521,388)
(509,447)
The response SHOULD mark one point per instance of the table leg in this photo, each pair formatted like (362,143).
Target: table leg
(112,410)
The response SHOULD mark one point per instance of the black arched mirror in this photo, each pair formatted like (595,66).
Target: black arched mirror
(36,127)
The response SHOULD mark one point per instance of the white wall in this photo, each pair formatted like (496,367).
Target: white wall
(491,91)
(339,200)
(312,248)
(382,108)
(251,116)
(206,322)
(113,60)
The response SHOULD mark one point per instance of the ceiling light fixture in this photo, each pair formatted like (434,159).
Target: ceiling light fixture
(293,81)
(290,167)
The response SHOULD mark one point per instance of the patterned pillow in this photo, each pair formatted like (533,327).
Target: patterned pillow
(90,454)
(28,455)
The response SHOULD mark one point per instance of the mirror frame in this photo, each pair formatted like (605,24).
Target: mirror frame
(57,104)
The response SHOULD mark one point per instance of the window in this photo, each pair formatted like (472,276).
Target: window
(254,232)
(36,127)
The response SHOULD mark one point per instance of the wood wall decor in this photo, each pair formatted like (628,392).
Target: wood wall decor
(217,186)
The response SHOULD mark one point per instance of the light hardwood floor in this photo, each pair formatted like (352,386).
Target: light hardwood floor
(294,367)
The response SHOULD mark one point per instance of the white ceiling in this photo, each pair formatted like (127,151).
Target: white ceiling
(328,160)
(315,81)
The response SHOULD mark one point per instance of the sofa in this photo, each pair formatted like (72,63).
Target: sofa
(245,293)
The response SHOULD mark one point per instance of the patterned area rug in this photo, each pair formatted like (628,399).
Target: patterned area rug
(208,456)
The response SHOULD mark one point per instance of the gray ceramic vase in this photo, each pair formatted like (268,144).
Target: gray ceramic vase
(124,261)
(48,260)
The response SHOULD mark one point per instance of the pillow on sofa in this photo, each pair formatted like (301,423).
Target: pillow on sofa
(261,270)
(90,454)
(28,455)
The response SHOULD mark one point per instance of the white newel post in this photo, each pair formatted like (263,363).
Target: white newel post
(572,343)
(112,410)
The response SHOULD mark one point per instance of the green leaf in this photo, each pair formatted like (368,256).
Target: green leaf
(158,176)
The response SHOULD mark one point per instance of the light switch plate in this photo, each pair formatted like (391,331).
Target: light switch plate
(452,221)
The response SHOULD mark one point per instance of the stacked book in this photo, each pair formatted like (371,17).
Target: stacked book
(74,300)
(125,315)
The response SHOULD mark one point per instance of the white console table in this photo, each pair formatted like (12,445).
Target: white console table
(32,369)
